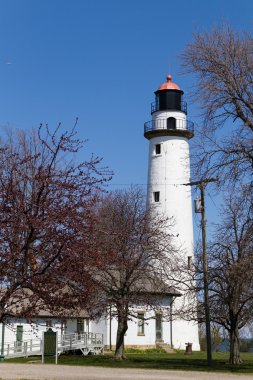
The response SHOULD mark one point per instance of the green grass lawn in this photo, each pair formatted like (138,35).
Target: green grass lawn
(154,360)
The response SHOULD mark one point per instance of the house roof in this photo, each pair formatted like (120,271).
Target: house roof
(156,286)
(20,305)
(138,282)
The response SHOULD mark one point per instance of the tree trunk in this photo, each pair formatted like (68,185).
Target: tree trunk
(122,329)
(234,357)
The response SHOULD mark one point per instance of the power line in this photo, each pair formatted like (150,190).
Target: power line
(144,184)
(215,205)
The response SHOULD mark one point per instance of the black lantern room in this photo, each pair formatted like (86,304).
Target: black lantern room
(169,97)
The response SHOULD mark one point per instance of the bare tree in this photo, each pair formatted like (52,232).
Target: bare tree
(45,209)
(132,253)
(222,63)
(231,270)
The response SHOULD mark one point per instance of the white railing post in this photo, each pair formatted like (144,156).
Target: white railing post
(42,348)
(86,341)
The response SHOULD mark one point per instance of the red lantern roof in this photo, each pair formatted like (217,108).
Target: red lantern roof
(169,85)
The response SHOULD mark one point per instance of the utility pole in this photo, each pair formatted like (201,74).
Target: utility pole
(2,344)
(201,184)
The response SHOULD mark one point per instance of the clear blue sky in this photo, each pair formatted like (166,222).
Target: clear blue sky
(100,60)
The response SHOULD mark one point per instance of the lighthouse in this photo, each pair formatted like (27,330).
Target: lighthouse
(169,133)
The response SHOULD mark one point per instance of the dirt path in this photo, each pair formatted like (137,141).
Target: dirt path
(53,372)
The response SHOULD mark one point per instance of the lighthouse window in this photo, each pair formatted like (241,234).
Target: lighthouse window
(157,103)
(158,149)
(171,123)
(157,196)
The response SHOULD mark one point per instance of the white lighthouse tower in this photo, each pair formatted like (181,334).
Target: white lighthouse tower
(169,133)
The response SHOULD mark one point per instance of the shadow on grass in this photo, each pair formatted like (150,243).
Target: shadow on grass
(179,361)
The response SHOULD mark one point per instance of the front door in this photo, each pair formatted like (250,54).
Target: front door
(19,337)
(79,327)
(158,328)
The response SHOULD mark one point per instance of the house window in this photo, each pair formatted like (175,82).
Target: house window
(49,324)
(158,149)
(82,326)
(86,325)
(63,327)
(141,324)
(156,196)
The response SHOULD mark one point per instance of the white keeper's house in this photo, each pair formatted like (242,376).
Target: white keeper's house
(168,133)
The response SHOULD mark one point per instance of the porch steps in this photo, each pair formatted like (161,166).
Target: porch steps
(88,343)
(166,347)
